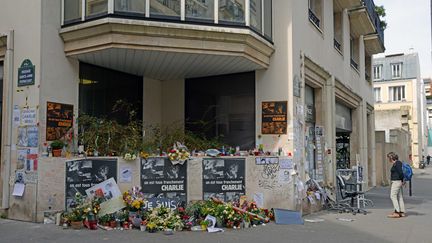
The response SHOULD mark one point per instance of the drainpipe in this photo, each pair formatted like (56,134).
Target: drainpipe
(8,67)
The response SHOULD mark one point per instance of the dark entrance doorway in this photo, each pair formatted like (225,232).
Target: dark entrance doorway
(343,150)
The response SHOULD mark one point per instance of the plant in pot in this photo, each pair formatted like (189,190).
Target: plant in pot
(204,224)
(105,220)
(75,218)
(57,146)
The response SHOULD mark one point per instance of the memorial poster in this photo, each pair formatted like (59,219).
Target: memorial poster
(274,117)
(59,120)
(84,174)
(223,178)
(161,179)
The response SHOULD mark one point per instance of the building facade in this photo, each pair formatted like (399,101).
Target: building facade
(176,59)
(399,98)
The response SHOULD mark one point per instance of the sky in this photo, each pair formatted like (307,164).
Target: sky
(409,26)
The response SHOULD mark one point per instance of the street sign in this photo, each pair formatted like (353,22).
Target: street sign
(26,73)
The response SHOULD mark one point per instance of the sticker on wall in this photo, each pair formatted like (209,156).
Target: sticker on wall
(266,160)
(16,116)
(125,174)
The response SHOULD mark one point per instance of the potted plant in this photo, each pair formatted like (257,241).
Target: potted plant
(57,146)
(204,224)
(76,219)
(105,220)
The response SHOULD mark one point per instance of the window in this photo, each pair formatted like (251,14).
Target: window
(100,88)
(396,70)
(232,11)
(377,72)
(338,31)
(213,111)
(315,12)
(397,93)
(377,94)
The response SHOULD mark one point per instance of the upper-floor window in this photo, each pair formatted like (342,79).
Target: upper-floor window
(315,12)
(396,70)
(397,93)
(377,94)
(377,72)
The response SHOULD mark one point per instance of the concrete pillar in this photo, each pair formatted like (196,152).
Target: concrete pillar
(372,170)
(329,106)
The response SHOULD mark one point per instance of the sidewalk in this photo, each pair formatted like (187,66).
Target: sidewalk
(373,227)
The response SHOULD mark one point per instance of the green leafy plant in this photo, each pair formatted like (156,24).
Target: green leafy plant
(380,10)
(57,144)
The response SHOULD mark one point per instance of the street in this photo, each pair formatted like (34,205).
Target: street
(374,227)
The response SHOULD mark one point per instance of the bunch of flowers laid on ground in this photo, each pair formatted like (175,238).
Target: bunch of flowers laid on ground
(165,218)
(134,199)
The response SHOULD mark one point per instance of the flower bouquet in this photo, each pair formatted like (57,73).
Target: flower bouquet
(165,218)
(129,156)
(178,154)
(134,199)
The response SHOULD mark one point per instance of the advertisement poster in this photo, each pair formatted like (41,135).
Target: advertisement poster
(224,179)
(84,174)
(161,179)
(59,120)
(274,117)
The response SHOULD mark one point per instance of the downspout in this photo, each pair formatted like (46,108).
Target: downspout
(9,67)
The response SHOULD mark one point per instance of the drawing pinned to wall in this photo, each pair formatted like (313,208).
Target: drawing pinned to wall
(22,137)
(32,136)
(21,158)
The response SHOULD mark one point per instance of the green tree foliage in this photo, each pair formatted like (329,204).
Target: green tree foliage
(380,10)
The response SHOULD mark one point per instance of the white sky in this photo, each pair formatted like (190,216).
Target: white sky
(409,26)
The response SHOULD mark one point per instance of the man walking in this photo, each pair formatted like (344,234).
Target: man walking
(396,186)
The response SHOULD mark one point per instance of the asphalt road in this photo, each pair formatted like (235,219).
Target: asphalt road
(374,227)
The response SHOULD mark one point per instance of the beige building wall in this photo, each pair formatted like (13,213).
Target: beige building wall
(391,115)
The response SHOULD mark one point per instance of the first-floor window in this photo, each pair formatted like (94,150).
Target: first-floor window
(397,93)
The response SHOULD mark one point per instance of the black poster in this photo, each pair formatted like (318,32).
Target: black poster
(161,179)
(83,174)
(274,117)
(59,120)
(224,179)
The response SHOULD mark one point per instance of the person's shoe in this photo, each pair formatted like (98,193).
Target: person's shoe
(402,215)
(393,215)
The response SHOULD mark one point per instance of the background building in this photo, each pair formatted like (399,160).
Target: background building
(228,63)
(399,98)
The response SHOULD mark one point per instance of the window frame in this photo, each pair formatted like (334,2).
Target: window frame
(377,90)
(401,93)
(377,69)
(392,71)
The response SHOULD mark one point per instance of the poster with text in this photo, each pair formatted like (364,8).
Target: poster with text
(161,179)
(83,174)
(274,117)
(223,179)
(59,120)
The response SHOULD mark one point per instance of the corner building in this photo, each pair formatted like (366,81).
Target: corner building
(174,59)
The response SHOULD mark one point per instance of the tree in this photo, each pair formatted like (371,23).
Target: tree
(380,10)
